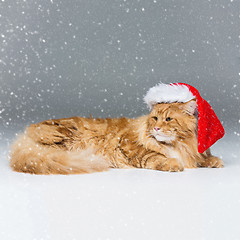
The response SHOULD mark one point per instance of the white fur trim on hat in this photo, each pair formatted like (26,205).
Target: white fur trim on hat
(168,93)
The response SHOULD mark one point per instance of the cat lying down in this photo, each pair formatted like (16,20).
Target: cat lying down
(164,140)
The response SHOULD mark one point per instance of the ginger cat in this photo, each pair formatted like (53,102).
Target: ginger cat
(163,140)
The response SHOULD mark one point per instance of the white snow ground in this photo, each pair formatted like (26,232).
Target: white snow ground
(124,204)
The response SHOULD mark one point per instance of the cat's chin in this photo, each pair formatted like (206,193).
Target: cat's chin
(165,139)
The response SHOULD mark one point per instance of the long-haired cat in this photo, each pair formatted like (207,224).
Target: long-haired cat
(163,140)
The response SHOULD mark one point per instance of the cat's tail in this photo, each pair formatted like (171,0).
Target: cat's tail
(29,157)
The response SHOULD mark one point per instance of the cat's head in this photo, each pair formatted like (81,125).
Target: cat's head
(169,122)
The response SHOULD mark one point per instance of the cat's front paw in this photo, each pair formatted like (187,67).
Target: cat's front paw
(213,162)
(171,165)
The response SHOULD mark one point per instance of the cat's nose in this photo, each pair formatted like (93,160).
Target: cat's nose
(156,129)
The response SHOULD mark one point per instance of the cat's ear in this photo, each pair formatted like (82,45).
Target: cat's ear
(190,107)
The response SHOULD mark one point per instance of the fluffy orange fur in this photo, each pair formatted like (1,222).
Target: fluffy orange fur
(163,140)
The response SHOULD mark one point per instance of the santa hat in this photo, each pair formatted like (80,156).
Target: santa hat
(210,128)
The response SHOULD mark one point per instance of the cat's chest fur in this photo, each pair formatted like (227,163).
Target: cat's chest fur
(173,153)
(183,153)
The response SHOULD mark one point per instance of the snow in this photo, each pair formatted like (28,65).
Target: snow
(124,204)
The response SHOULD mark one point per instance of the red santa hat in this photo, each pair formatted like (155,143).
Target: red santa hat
(210,128)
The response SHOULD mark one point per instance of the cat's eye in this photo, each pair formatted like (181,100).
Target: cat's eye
(155,118)
(168,119)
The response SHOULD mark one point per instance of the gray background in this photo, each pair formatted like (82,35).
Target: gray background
(62,58)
